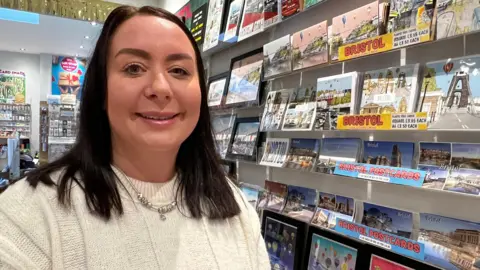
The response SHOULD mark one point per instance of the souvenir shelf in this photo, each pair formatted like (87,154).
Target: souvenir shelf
(62,125)
(15,118)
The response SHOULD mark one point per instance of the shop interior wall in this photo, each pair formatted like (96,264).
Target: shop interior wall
(140,3)
(401,197)
(172,5)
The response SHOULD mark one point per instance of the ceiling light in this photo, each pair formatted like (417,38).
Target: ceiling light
(93,23)
(22,49)
(81,46)
(87,37)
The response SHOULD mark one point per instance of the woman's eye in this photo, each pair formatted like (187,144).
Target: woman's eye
(179,71)
(133,69)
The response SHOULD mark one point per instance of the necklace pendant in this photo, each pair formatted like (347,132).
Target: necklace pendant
(163,217)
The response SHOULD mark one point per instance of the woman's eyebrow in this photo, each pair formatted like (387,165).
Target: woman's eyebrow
(137,52)
(178,56)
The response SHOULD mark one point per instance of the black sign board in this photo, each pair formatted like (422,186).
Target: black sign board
(199,19)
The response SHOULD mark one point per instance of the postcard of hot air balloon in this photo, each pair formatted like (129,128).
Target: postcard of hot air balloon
(449,243)
(390,90)
(410,14)
(450,93)
(379,263)
(354,26)
(310,46)
(328,254)
(280,239)
(277,56)
(457,17)
(389,220)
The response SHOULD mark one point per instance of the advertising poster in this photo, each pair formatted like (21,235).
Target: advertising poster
(379,263)
(301,108)
(277,56)
(389,220)
(393,154)
(310,46)
(68,74)
(245,79)
(280,239)
(301,203)
(277,194)
(450,243)
(199,18)
(233,19)
(252,19)
(302,154)
(450,93)
(222,127)
(12,86)
(274,110)
(328,254)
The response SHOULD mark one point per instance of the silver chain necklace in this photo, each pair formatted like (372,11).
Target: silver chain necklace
(162,210)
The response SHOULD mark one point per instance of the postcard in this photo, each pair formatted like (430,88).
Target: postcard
(451,93)
(393,154)
(435,176)
(277,195)
(245,138)
(328,254)
(291,7)
(389,220)
(328,219)
(354,26)
(245,80)
(262,199)
(326,201)
(233,19)
(280,239)
(310,46)
(335,96)
(457,17)
(222,127)
(466,155)
(274,111)
(272,12)
(275,152)
(337,149)
(437,154)
(450,243)
(252,19)
(216,90)
(344,205)
(301,203)
(251,194)
(409,15)
(214,23)
(390,90)
(277,56)
(310,3)
(463,181)
(379,263)
(303,154)
(301,109)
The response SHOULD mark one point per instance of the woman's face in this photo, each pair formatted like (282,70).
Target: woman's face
(153,84)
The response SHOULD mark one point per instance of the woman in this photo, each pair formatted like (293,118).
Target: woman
(142,188)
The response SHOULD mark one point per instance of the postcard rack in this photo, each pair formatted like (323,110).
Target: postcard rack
(429,118)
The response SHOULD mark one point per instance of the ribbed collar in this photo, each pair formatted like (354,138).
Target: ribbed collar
(156,193)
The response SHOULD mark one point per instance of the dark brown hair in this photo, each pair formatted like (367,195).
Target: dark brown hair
(202,181)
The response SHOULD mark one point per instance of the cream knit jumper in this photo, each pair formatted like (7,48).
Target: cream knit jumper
(36,232)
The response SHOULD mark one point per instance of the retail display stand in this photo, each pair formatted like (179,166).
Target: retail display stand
(374,106)
(62,125)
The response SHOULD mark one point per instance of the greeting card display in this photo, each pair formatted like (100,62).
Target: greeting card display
(450,93)
(277,56)
(393,154)
(216,89)
(301,203)
(275,107)
(291,7)
(389,220)
(310,3)
(214,23)
(222,128)
(328,254)
(450,243)
(330,207)
(275,152)
(354,26)
(337,149)
(280,239)
(303,154)
(301,110)
(272,12)
(390,90)
(233,19)
(410,15)
(310,46)
(252,19)
(245,79)
(379,263)
(243,143)
(251,194)
(335,96)
(277,194)
(457,17)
